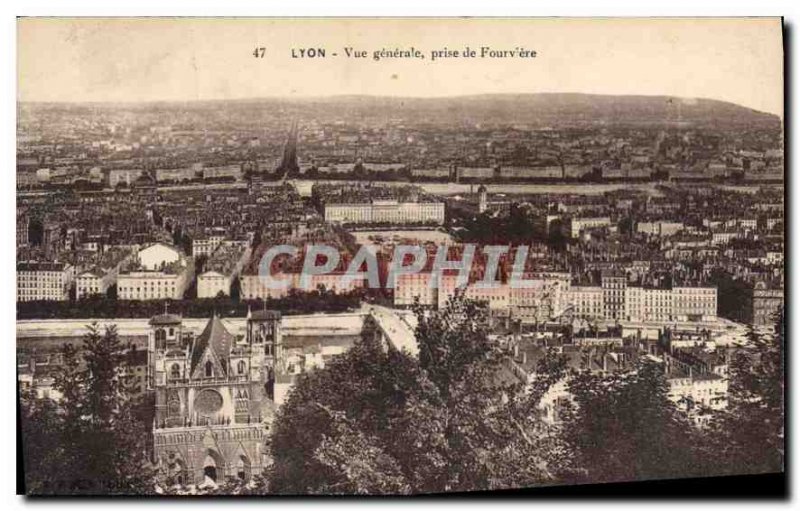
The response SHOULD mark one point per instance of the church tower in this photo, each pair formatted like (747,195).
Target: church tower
(264,336)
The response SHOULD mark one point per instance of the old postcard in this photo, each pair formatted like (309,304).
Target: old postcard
(272,256)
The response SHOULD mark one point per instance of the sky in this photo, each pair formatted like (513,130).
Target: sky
(739,60)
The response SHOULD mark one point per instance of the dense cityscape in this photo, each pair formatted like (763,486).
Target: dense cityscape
(648,233)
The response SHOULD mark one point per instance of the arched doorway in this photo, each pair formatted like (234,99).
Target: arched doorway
(174,469)
(243,468)
(178,472)
(212,466)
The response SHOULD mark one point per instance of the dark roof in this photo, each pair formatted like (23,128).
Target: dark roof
(40,266)
(216,337)
(165,319)
(265,314)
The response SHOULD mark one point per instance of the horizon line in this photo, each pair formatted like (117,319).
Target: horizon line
(382,96)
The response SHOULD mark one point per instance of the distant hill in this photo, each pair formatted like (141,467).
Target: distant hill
(542,109)
(559,108)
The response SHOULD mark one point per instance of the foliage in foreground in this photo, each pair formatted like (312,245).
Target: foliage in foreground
(376,421)
(94,441)
(381,422)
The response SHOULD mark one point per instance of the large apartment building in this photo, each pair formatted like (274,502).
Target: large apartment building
(160,272)
(386,211)
(43,281)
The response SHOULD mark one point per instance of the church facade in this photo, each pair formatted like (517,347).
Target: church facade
(212,396)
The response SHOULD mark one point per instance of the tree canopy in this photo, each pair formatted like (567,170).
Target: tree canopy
(94,440)
(377,421)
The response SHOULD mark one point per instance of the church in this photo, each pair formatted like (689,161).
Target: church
(212,396)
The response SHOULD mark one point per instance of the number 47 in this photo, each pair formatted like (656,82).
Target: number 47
(259,52)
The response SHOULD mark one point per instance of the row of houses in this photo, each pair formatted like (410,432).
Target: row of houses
(155,272)
(543,297)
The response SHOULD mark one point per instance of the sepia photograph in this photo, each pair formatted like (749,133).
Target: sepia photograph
(398,256)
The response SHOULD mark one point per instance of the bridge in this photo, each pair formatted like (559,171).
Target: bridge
(396,328)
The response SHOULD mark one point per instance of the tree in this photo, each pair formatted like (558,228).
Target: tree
(42,437)
(623,427)
(101,438)
(750,433)
(378,421)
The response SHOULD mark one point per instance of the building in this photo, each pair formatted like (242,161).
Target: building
(586,302)
(662,228)
(410,288)
(765,304)
(655,303)
(222,268)
(154,285)
(43,175)
(158,255)
(614,285)
(695,385)
(206,245)
(694,303)
(230,172)
(496,296)
(211,284)
(548,296)
(482,198)
(134,372)
(116,177)
(724,237)
(99,279)
(90,282)
(578,225)
(44,281)
(212,412)
(254,286)
(158,272)
(23,230)
(176,174)
(707,390)
(542,298)
(368,204)
(386,211)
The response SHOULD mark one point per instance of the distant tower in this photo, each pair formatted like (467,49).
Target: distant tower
(482,196)
(289,163)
